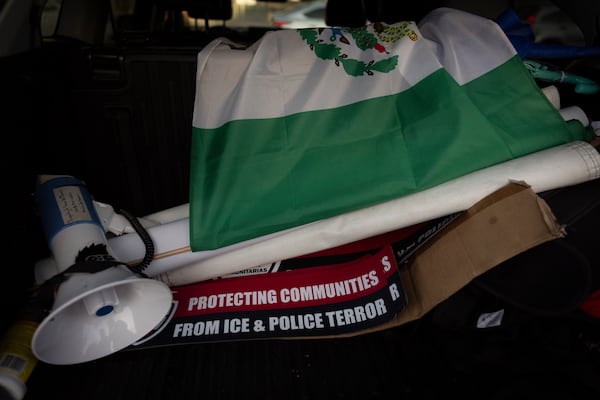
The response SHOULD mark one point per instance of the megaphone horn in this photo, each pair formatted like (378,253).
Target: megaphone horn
(99,305)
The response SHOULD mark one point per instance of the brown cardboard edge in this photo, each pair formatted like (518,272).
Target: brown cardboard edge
(505,207)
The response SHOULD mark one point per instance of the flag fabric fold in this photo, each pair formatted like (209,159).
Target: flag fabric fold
(309,124)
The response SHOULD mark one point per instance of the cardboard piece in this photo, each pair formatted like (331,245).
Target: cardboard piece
(500,226)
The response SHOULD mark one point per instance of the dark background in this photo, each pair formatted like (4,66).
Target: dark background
(118,116)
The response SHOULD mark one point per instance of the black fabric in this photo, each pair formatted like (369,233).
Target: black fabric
(578,207)
(526,356)
(521,321)
(553,278)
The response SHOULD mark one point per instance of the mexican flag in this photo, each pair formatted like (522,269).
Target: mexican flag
(310,124)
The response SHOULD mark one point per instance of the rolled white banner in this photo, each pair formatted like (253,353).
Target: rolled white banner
(572,113)
(553,95)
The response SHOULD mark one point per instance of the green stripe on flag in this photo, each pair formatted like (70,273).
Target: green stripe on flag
(254,177)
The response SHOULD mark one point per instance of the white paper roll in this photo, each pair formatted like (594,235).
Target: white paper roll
(574,113)
(551,92)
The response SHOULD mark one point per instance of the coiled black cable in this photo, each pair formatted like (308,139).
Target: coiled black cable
(146,239)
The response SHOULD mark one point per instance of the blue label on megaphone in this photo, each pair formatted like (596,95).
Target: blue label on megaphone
(62,202)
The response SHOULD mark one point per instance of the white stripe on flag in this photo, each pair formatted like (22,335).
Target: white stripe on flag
(235,84)
(444,27)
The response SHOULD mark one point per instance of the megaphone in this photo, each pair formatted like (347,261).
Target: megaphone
(99,305)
